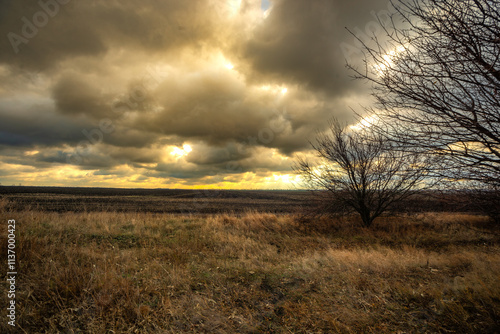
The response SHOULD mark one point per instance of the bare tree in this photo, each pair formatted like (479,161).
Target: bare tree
(437,84)
(361,171)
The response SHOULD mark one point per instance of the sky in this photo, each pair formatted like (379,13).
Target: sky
(174,93)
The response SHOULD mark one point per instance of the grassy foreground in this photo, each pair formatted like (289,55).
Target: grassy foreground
(104,272)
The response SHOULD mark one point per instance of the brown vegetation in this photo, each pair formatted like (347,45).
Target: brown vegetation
(110,272)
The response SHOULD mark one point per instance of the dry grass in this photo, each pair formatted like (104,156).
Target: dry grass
(104,272)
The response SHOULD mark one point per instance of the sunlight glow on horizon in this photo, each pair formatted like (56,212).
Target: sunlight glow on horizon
(72,176)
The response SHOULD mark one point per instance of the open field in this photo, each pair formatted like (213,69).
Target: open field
(109,272)
(176,201)
(61,199)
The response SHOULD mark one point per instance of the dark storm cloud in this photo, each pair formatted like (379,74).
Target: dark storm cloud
(129,137)
(90,160)
(182,171)
(301,41)
(40,34)
(75,96)
(217,155)
(217,107)
(88,63)
(260,161)
(38,159)
(213,106)
(33,39)
(29,125)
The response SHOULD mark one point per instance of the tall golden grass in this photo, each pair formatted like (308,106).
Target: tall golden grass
(106,272)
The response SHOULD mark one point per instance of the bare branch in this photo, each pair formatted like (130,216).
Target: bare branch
(362,171)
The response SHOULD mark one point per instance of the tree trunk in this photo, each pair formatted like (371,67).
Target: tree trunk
(364,212)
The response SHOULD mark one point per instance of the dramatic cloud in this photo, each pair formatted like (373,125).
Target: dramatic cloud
(173,93)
